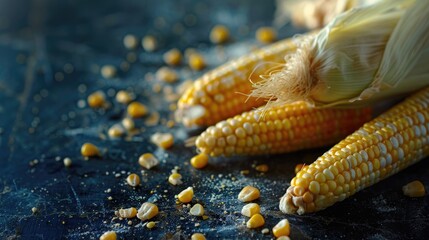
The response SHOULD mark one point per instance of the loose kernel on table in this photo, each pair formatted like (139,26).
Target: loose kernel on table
(162,140)
(96,99)
(110,235)
(197,210)
(282,228)
(130,41)
(266,34)
(173,57)
(127,212)
(116,131)
(67,162)
(200,161)
(136,110)
(256,221)
(175,179)
(196,61)
(248,193)
(186,195)
(128,123)
(108,71)
(147,211)
(283,238)
(148,160)
(250,209)
(262,168)
(414,189)
(34,210)
(219,34)
(198,236)
(89,150)
(124,97)
(149,43)
(133,180)
(166,74)
(151,224)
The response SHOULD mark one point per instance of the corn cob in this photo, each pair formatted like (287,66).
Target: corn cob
(282,129)
(216,95)
(382,147)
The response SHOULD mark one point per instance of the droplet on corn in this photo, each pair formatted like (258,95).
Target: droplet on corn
(248,194)
(127,212)
(110,235)
(175,179)
(162,140)
(173,57)
(200,161)
(130,41)
(137,110)
(219,34)
(282,228)
(198,236)
(197,210)
(108,71)
(250,209)
(149,43)
(133,180)
(96,99)
(148,160)
(147,211)
(255,221)
(89,150)
(186,195)
(266,35)
(414,189)
(166,74)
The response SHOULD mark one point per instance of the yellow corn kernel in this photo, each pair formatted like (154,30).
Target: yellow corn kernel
(256,221)
(262,168)
(198,236)
(128,123)
(197,210)
(136,110)
(67,162)
(96,99)
(115,131)
(219,34)
(166,74)
(89,150)
(298,167)
(147,211)
(124,97)
(414,189)
(127,212)
(283,238)
(175,179)
(186,195)
(108,71)
(200,161)
(173,57)
(148,160)
(248,193)
(266,35)
(133,180)
(149,43)
(151,224)
(130,41)
(162,140)
(250,209)
(110,235)
(196,61)
(282,228)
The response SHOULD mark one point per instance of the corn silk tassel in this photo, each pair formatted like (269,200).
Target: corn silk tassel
(364,55)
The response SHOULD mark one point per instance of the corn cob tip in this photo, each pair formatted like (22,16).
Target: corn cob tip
(291,204)
(190,116)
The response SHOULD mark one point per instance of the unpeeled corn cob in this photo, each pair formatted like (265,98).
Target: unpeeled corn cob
(222,92)
(382,147)
(280,129)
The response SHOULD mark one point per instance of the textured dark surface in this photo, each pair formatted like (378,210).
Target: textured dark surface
(40,119)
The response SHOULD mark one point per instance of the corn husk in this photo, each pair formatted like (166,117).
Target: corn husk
(363,56)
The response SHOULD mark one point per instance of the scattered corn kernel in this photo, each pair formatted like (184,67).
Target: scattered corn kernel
(89,150)
(197,210)
(148,160)
(162,140)
(124,97)
(414,189)
(127,212)
(133,180)
(147,211)
(262,168)
(108,71)
(128,123)
(196,61)
(149,43)
(116,131)
(219,34)
(34,210)
(298,167)
(130,41)
(186,195)
(67,162)
(137,110)
(198,236)
(96,99)
(266,35)
(282,228)
(175,179)
(110,235)
(248,193)
(255,221)
(166,74)
(200,161)
(173,57)
(250,209)
(283,238)
(151,224)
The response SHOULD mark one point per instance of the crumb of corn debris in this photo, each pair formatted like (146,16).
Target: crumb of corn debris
(128,123)
(219,34)
(200,161)
(147,211)
(110,235)
(124,97)
(166,74)
(150,224)
(283,238)
(96,99)
(108,71)
(282,228)
(175,179)
(262,168)
(133,180)
(265,231)
(414,189)
(173,57)
(89,150)
(250,209)
(67,162)
(34,210)
(255,221)
(170,123)
(198,236)
(127,212)
(148,160)
(298,167)
(197,210)
(116,131)
(248,193)
(130,41)
(196,61)
(186,195)
(149,43)
(137,110)
(162,140)
(266,35)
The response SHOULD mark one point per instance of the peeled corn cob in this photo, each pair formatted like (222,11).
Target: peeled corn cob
(382,147)
(216,95)
(283,129)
